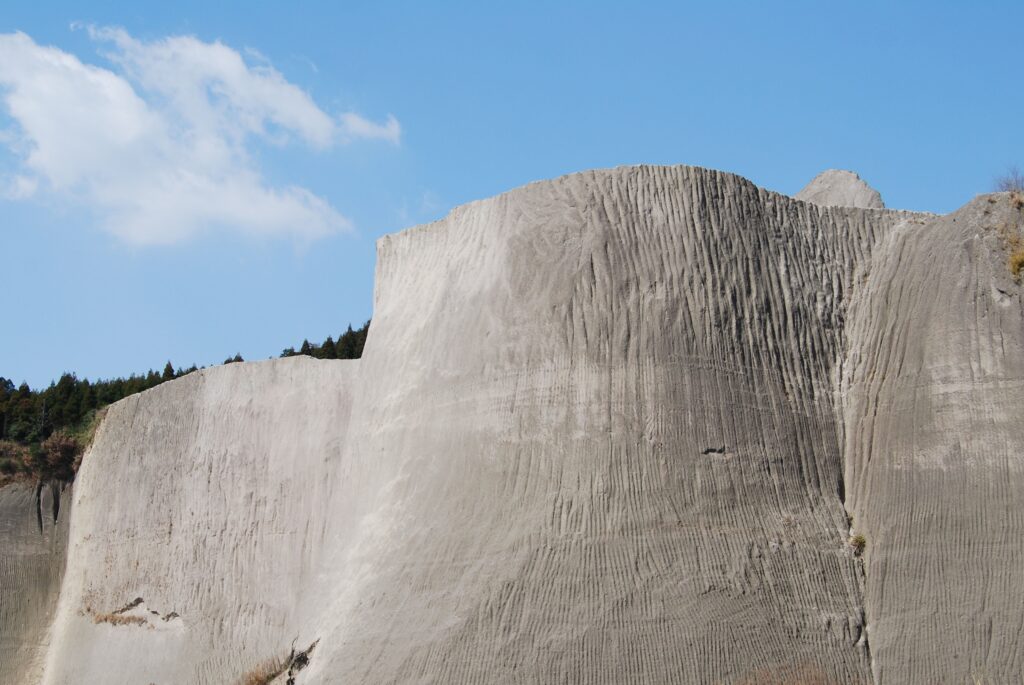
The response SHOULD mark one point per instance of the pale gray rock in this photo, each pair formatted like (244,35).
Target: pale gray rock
(33,544)
(840,188)
(933,401)
(616,427)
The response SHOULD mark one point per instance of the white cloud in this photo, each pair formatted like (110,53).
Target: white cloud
(160,146)
(356,126)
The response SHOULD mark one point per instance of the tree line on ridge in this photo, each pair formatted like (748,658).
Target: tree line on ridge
(43,433)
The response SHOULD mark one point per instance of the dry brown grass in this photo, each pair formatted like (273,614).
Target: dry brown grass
(14,462)
(119,620)
(1015,262)
(16,477)
(1017,199)
(264,673)
(858,543)
(1013,243)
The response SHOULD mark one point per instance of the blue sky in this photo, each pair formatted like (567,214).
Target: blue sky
(128,241)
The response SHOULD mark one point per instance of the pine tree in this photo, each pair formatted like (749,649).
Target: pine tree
(87,402)
(306,348)
(328,350)
(347,344)
(168,372)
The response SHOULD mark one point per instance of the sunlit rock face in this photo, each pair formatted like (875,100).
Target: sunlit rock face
(649,424)
(839,188)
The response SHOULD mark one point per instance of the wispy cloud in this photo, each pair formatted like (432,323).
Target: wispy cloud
(356,126)
(160,145)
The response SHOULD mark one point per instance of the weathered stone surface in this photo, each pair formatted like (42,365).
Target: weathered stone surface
(208,500)
(933,404)
(839,188)
(33,543)
(615,427)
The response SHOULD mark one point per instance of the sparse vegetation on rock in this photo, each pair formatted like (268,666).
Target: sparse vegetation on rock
(119,620)
(1013,243)
(1015,262)
(264,673)
(858,543)
(1011,181)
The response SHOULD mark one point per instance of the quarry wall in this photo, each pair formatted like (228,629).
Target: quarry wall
(648,424)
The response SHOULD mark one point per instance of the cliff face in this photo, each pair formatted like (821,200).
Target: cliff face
(615,427)
(933,404)
(199,543)
(33,546)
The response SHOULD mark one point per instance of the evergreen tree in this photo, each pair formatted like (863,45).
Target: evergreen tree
(361,339)
(306,348)
(347,344)
(168,372)
(328,350)
(87,400)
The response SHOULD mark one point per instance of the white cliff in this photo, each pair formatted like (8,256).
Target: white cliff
(615,427)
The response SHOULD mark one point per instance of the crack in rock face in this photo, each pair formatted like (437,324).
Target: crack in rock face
(299,661)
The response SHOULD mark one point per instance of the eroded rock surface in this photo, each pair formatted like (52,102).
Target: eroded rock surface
(840,188)
(33,545)
(646,424)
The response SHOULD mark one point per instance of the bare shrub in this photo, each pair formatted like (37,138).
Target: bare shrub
(1011,181)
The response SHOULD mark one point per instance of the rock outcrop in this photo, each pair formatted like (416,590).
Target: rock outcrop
(646,424)
(839,188)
